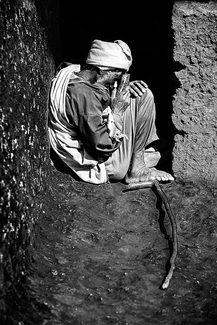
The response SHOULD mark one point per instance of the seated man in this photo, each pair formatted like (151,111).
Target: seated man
(100,124)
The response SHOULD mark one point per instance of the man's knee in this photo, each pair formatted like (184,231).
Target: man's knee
(146,104)
(147,96)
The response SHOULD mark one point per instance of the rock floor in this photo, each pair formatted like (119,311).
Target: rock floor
(101,256)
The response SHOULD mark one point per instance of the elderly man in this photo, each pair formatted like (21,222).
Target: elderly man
(101,125)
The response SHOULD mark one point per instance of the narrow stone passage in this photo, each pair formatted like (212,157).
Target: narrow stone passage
(101,256)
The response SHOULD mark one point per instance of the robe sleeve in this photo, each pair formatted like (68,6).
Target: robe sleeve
(91,128)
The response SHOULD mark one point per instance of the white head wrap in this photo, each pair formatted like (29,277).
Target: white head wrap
(115,54)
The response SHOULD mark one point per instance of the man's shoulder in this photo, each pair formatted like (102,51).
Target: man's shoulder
(80,88)
(87,89)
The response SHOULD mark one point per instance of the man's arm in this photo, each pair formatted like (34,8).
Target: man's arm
(92,128)
(94,135)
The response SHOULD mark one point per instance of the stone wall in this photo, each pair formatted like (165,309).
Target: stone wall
(195,101)
(29,37)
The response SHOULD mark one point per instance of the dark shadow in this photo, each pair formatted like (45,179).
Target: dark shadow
(204,1)
(145,28)
(25,307)
(49,19)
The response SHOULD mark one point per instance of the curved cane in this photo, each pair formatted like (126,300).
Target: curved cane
(164,198)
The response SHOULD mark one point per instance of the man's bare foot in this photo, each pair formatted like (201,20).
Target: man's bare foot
(151,174)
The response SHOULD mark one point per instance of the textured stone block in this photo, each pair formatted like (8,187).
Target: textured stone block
(27,66)
(195,101)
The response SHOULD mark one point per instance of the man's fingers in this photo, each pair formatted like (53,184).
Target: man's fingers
(135,93)
(138,87)
(142,83)
(139,83)
(126,95)
(141,86)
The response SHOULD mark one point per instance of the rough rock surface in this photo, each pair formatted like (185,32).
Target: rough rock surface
(27,65)
(101,255)
(195,101)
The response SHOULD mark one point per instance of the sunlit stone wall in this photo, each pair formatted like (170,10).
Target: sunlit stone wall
(195,100)
(29,37)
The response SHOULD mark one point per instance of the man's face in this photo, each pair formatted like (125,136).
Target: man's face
(108,77)
(113,76)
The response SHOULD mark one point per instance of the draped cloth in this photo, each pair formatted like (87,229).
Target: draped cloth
(138,125)
(140,129)
(63,138)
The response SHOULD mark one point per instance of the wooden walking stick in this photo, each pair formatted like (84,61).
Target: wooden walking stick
(165,201)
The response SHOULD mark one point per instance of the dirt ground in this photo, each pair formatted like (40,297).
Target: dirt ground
(101,256)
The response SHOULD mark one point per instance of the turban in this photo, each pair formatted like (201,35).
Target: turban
(115,54)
